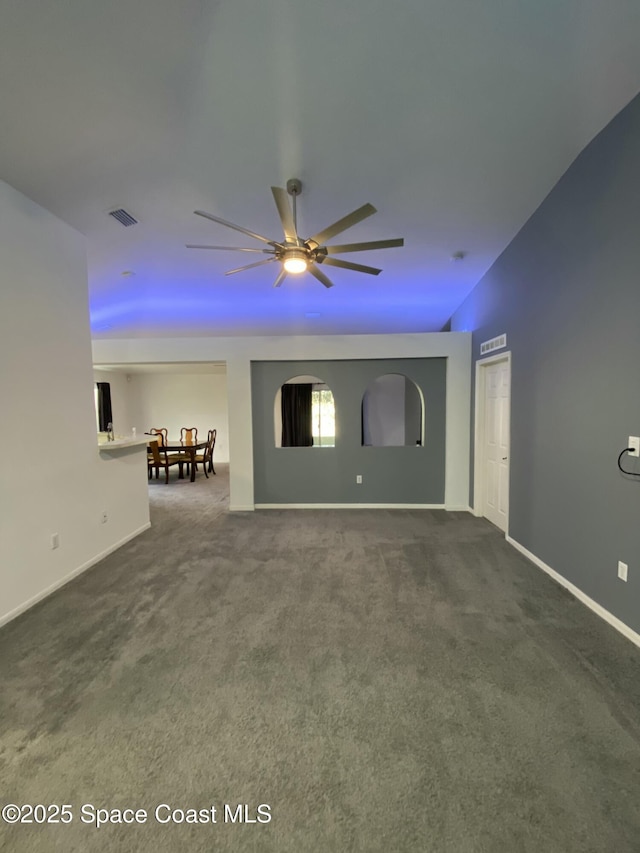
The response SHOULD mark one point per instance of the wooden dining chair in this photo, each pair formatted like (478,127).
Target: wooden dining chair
(162,459)
(188,435)
(207,455)
(162,432)
(212,443)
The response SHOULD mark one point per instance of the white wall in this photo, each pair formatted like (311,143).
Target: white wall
(175,400)
(238,353)
(383,411)
(53,478)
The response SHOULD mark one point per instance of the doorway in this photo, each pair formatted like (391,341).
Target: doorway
(492,439)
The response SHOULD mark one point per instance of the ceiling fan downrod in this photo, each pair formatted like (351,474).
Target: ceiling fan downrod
(294,188)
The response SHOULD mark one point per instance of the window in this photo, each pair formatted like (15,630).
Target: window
(304,413)
(103,406)
(323,417)
(392,412)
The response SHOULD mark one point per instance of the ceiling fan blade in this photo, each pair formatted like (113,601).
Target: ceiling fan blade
(347,265)
(317,273)
(249,266)
(235,227)
(281,198)
(229,248)
(363,247)
(281,277)
(342,224)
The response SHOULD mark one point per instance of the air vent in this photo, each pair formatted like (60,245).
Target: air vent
(493,344)
(123,217)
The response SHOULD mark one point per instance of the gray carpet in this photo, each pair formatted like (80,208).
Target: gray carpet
(382,680)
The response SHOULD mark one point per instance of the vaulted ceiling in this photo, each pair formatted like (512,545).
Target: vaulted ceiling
(454,118)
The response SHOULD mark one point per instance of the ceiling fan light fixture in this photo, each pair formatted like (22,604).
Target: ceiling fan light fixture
(296,261)
(295,254)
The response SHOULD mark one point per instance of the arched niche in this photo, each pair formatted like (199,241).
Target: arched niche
(304,413)
(392,412)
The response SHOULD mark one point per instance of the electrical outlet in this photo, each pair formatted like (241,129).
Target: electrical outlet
(359,478)
(623,568)
(105,517)
(55,541)
(634,442)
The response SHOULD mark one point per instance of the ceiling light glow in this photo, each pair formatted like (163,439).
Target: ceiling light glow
(295,261)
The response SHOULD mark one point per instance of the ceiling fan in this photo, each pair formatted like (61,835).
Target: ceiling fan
(297,255)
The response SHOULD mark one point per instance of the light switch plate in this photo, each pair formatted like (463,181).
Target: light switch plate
(623,568)
(634,442)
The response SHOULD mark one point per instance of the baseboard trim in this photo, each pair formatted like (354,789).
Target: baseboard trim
(350,506)
(26,605)
(461,508)
(598,609)
(241,508)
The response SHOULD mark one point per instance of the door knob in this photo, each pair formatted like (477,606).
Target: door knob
(504,458)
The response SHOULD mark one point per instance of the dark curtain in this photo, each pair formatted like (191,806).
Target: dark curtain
(105,416)
(296,415)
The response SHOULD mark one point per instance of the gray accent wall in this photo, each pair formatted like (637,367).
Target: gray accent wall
(414,475)
(567,293)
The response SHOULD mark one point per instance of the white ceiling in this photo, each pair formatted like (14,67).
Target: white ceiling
(453,117)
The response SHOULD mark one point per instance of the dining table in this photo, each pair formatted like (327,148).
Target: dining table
(190,451)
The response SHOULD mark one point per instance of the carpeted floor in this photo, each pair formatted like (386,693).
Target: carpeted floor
(380,680)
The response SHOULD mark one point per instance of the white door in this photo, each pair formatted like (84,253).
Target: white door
(497,389)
